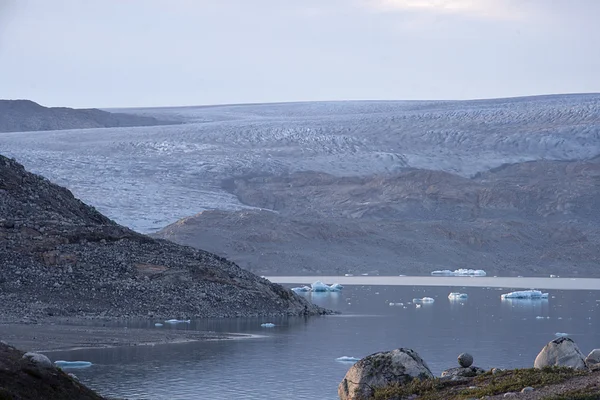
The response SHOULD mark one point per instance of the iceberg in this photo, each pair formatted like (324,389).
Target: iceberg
(178,321)
(72,364)
(301,289)
(347,359)
(560,334)
(319,286)
(336,287)
(460,272)
(158,324)
(525,294)
(458,296)
(268,325)
(423,300)
(348,274)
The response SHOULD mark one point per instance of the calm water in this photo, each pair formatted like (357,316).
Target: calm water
(296,359)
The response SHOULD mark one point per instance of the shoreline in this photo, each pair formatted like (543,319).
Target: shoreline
(55,337)
(462,281)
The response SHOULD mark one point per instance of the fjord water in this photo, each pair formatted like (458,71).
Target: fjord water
(296,359)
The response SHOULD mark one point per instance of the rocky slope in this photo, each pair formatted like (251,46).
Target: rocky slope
(532,218)
(61,257)
(25,115)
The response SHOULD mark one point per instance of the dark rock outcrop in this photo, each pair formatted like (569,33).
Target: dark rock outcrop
(378,370)
(25,115)
(31,376)
(60,257)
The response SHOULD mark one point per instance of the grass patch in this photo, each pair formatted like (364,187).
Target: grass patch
(580,394)
(487,384)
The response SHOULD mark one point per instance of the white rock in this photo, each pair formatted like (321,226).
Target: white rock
(561,352)
(39,359)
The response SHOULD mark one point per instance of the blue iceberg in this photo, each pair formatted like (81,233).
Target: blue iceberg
(72,364)
(268,325)
(347,359)
(178,321)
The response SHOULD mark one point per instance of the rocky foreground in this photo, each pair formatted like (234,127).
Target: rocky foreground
(561,372)
(60,257)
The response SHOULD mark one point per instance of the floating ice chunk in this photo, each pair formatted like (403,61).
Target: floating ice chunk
(458,296)
(268,325)
(365,274)
(72,364)
(460,272)
(347,359)
(319,286)
(158,324)
(348,274)
(539,317)
(178,321)
(423,300)
(418,305)
(559,334)
(336,287)
(396,304)
(525,294)
(302,289)
(553,276)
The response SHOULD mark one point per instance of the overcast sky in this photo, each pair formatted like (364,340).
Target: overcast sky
(113,53)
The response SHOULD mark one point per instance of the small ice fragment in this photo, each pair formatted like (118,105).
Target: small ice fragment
(177,321)
(417,305)
(553,276)
(158,324)
(525,294)
(539,317)
(376,292)
(460,272)
(348,274)
(301,289)
(347,359)
(336,287)
(72,364)
(365,274)
(458,296)
(268,325)
(423,300)
(396,304)
(561,334)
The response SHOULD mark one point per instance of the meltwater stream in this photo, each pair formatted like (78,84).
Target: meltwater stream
(296,358)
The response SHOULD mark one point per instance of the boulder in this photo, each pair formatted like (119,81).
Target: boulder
(467,372)
(593,360)
(38,359)
(465,360)
(561,352)
(398,366)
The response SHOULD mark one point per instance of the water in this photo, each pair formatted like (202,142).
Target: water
(296,359)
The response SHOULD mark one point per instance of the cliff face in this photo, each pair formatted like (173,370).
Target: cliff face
(61,257)
(25,115)
(533,218)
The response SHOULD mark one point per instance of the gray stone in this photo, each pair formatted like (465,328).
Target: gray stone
(561,352)
(398,366)
(527,389)
(39,359)
(465,360)
(463,372)
(509,394)
(593,357)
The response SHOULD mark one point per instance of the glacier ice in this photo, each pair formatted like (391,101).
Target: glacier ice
(268,325)
(72,364)
(301,289)
(458,296)
(319,286)
(178,321)
(459,272)
(347,359)
(525,294)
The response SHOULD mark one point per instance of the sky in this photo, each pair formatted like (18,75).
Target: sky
(134,53)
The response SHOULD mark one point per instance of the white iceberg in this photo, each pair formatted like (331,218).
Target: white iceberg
(460,272)
(348,274)
(319,286)
(301,289)
(178,321)
(423,300)
(560,334)
(525,294)
(336,287)
(458,296)
(72,364)
(268,325)
(396,304)
(158,324)
(347,359)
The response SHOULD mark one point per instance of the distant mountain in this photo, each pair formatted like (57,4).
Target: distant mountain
(26,115)
(531,218)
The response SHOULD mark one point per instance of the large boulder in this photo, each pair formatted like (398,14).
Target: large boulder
(561,352)
(465,372)
(593,360)
(398,366)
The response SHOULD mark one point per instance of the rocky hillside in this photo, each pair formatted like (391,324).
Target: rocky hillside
(25,115)
(61,257)
(531,218)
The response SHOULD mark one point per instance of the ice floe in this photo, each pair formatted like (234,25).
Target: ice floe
(158,324)
(460,272)
(525,294)
(458,296)
(347,359)
(559,334)
(178,321)
(268,325)
(301,289)
(426,300)
(318,286)
(72,364)
(396,304)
